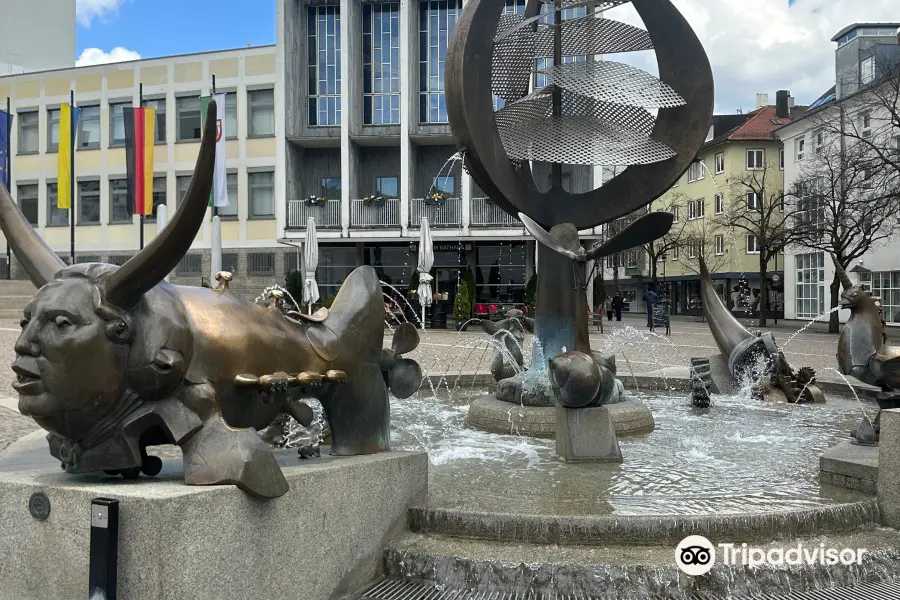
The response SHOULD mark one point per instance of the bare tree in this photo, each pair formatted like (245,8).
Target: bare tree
(666,246)
(757,212)
(703,237)
(846,202)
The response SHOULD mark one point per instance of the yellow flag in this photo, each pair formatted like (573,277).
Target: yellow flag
(67,123)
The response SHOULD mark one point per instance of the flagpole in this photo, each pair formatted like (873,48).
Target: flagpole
(141,218)
(71,181)
(220,114)
(9,179)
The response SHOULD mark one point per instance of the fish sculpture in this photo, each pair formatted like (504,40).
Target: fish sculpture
(509,333)
(863,351)
(112,359)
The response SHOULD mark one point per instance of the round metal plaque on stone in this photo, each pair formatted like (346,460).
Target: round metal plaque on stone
(39,506)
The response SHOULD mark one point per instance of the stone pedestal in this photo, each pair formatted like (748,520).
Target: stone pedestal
(850,466)
(586,435)
(889,468)
(320,540)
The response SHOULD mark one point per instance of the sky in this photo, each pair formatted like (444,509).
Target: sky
(753,45)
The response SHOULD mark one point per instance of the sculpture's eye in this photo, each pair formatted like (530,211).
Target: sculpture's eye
(63,322)
(24,323)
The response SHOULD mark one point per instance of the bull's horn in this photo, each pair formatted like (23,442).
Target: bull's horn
(841,273)
(148,267)
(39,261)
(727,331)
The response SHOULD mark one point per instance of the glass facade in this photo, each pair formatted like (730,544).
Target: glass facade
(437,19)
(885,285)
(500,272)
(336,262)
(324,55)
(512,7)
(810,284)
(381,64)
(540,80)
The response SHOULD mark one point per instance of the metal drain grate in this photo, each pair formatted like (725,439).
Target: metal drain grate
(396,589)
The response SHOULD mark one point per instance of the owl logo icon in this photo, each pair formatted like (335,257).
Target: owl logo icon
(695,555)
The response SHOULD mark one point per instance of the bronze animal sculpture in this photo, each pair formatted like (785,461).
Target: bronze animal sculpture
(743,350)
(863,351)
(114,359)
(509,333)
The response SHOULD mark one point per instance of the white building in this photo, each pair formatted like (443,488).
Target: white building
(36,35)
(863,50)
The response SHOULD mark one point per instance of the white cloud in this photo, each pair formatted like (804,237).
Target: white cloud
(96,56)
(768,45)
(88,10)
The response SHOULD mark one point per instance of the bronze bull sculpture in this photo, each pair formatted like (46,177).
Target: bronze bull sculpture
(114,359)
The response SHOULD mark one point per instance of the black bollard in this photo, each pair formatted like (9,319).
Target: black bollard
(104,549)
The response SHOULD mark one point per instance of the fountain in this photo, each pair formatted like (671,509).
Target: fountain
(748,356)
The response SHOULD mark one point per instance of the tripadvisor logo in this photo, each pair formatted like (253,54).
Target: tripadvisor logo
(696,555)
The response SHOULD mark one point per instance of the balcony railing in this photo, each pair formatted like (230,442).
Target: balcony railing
(375,215)
(327,216)
(442,214)
(487,214)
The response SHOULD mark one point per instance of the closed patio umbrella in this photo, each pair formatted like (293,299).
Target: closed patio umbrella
(311,263)
(426,261)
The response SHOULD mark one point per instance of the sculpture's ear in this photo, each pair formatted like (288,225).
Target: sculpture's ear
(490,327)
(323,341)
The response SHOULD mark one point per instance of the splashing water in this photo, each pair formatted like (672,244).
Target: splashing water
(275,286)
(456,157)
(411,309)
(852,389)
(808,325)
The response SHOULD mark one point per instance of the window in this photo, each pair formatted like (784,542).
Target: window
(381,64)
(819,142)
(190,264)
(88,202)
(159,196)
(752,245)
(446,184)
(117,123)
(230,118)
(895,143)
(720,163)
(389,187)
(118,201)
(695,173)
(696,209)
(866,125)
(231,179)
(631,259)
(541,79)
(53,130)
(89,127)
(187,118)
(262,194)
(885,285)
(754,202)
(331,188)
(720,204)
(437,18)
(336,262)
(262,112)
(810,269)
(29,127)
(676,210)
(28,202)
(720,245)
(756,159)
(675,252)
(867,70)
(260,263)
(692,250)
(160,106)
(55,216)
(781,158)
(324,58)
(182,182)
(799,149)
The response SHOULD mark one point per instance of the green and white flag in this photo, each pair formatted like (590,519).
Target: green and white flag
(219,194)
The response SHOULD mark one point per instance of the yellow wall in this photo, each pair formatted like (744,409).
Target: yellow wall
(261,230)
(57,236)
(5,90)
(120,79)
(260,65)
(87,234)
(116,157)
(88,160)
(154,75)
(28,89)
(57,86)
(261,147)
(24,164)
(231,230)
(123,235)
(187,152)
(224,68)
(185,72)
(89,83)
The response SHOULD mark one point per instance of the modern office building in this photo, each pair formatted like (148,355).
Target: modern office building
(29,42)
(348,105)
(865,51)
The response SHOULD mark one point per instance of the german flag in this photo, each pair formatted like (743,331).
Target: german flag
(140,139)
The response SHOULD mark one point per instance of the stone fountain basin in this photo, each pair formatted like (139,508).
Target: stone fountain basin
(630,417)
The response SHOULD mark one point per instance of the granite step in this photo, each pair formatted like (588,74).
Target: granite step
(484,569)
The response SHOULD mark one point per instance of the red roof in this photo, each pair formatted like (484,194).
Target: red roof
(761,125)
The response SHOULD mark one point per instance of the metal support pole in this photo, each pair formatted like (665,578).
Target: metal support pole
(220,112)
(104,552)
(556,168)
(72,187)
(9,179)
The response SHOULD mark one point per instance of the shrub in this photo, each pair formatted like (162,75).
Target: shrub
(293,283)
(328,301)
(531,293)
(462,306)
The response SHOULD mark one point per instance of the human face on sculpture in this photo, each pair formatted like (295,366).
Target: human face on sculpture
(70,373)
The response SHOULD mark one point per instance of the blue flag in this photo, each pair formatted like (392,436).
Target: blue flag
(5,127)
